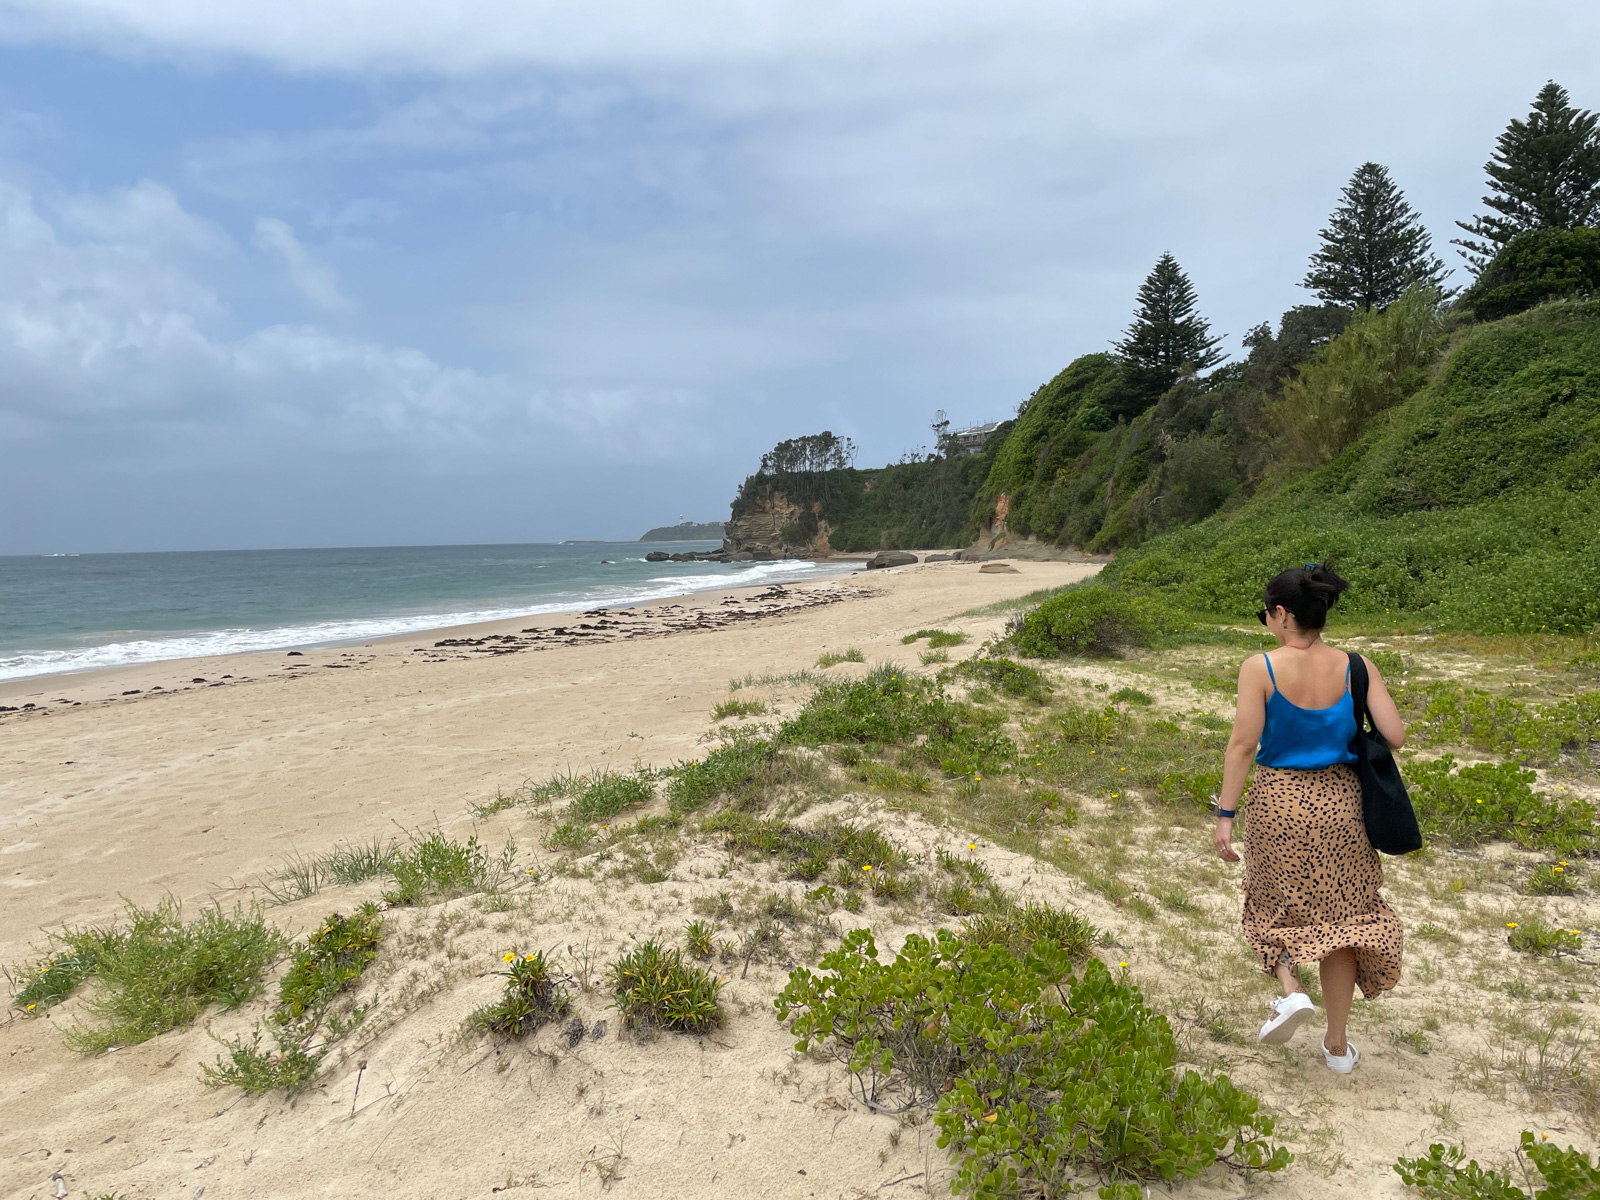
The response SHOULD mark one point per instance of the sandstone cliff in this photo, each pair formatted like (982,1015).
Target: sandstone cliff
(766,519)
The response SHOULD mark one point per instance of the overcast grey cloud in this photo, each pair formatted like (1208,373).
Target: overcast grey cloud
(484,271)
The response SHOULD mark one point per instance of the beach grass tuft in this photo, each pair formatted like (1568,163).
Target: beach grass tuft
(434,867)
(155,972)
(738,708)
(830,659)
(300,876)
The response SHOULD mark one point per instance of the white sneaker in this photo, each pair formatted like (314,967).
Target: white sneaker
(1290,1012)
(1342,1064)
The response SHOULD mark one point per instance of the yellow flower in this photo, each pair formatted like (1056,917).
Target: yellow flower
(1558,870)
(1511,924)
(866,866)
(31,1007)
(972,845)
(991,1117)
(1566,864)
(508,957)
(1122,964)
(529,957)
(1066,839)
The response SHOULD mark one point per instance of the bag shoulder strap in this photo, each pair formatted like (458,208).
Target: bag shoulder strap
(1358,692)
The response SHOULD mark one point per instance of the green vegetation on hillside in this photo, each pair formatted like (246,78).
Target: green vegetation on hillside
(1475,505)
(921,502)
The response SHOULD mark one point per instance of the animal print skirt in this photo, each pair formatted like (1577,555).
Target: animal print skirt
(1311,878)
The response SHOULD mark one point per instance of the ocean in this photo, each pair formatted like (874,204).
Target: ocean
(63,613)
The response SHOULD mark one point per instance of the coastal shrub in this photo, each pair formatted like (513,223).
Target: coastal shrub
(1035,1076)
(1494,802)
(157,972)
(1536,936)
(438,868)
(534,995)
(654,988)
(1005,675)
(1380,359)
(1565,1174)
(1534,267)
(606,794)
(1113,750)
(1093,620)
(888,778)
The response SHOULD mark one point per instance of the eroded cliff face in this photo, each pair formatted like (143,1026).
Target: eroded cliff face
(771,521)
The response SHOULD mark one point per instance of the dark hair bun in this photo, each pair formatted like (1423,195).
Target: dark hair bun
(1307,593)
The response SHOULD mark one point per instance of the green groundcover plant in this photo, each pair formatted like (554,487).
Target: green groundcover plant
(1439,1175)
(1037,1077)
(1489,802)
(1452,715)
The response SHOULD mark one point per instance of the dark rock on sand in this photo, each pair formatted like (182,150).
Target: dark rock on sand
(890,558)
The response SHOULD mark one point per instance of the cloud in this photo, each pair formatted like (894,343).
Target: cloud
(109,322)
(317,281)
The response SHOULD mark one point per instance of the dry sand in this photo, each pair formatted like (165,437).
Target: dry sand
(197,792)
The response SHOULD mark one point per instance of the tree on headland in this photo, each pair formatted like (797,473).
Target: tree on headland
(816,452)
(1167,337)
(1374,247)
(1545,174)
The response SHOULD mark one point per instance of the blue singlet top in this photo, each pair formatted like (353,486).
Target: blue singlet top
(1307,739)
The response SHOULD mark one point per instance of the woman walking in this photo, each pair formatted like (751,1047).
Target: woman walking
(1311,876)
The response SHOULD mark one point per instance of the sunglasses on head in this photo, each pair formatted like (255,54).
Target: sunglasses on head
(1261,615)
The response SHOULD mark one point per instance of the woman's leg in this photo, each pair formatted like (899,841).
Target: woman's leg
(1289,976)
(1338,993)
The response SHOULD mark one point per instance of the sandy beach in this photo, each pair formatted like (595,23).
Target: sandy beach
(196,791)
(141,784)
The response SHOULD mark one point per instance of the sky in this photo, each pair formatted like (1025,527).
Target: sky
(359,272)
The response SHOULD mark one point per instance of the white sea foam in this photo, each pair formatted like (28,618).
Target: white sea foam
(207,643)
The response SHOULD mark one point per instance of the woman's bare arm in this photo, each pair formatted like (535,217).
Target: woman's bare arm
(1249,719)
(1382,707)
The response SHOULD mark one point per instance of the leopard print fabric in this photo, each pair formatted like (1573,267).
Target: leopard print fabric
(1311,878)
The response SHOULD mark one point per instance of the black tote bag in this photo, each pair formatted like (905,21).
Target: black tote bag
(1385,804)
